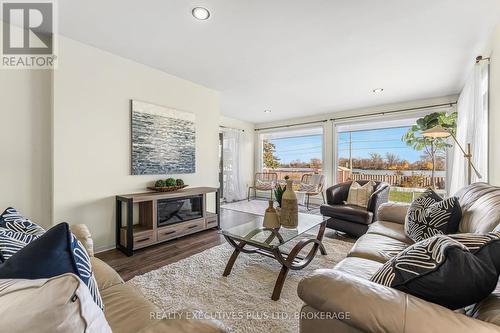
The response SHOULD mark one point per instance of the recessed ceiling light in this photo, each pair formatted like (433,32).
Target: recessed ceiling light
(378,90)
(200,13)
(267,111)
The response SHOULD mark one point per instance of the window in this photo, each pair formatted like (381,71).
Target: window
(378,151)
(293,153)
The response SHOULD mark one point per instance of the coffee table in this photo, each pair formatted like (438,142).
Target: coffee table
(253,238)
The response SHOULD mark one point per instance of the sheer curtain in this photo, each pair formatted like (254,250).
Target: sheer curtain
(233,186)
(472,127)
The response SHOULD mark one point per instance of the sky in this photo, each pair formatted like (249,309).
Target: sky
(380,141)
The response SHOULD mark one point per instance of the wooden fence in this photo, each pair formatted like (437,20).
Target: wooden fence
(400,180)
(415,181)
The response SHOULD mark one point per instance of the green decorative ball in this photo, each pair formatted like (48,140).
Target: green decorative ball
(160,183)
(170,182)
(179,182)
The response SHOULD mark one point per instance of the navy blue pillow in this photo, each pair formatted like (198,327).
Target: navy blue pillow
(11,219)
(55,252)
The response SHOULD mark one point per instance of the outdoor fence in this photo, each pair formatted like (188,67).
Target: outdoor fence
(295,175)
(413,181)
(418,181)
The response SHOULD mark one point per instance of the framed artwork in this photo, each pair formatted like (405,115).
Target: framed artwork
(163,140)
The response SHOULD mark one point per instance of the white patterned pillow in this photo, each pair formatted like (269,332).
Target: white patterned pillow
(16,232)
(263,185)
(308,187)
(360,195)
(11,219)
(12,241)
(430,215)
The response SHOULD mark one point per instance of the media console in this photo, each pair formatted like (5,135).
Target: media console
(144,219)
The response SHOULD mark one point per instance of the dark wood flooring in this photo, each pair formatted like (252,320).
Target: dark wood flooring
(157,256)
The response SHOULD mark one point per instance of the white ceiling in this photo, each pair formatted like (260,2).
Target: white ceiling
(295,57)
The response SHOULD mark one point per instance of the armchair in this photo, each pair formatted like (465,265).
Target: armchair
(264,181)
(351,219)
(312,185)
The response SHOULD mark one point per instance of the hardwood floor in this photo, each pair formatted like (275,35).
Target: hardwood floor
(157,256)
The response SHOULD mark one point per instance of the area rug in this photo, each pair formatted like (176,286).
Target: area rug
(258,207)
(241,301)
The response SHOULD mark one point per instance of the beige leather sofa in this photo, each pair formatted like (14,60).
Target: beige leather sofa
(343,299)
(125,308)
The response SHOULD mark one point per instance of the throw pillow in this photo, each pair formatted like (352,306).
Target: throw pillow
(440,270)
(308,187)
(12,241)
(484,246)
(263,185)
(430,215)
(11,219)
(60,304)
(360,195)
(54,253)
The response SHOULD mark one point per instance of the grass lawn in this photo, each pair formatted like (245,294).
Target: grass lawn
(402,196)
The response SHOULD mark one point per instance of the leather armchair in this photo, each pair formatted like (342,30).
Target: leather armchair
(350,219)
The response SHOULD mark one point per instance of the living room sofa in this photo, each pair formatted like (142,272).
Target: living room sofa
(342,299)
(126,309)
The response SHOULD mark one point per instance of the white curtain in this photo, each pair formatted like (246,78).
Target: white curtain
(472,127)
(233,185)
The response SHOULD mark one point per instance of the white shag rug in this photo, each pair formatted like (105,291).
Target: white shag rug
(241,301)
(258,207)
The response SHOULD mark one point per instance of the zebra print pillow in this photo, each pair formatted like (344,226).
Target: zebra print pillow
(440,270)
(430,215)
(12,220)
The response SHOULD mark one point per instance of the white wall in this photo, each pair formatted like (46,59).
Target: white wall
(25,166)
(494,165)
(248,150)
(92,92)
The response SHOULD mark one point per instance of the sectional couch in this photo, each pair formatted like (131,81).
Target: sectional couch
(342,299)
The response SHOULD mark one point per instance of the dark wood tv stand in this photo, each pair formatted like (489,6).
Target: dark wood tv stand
(131,236)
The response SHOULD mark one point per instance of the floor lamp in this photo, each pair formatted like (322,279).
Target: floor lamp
(440,132)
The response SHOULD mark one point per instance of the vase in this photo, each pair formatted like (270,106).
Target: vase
(271,218)
(289,215)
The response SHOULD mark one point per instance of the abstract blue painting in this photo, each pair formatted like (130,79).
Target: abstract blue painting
(163,140)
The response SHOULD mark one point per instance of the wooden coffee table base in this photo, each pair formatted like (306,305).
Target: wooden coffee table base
(289,261)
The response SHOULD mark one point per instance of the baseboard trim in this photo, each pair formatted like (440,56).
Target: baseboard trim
(104,248)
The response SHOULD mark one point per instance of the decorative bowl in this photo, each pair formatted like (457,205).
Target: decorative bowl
(167,188)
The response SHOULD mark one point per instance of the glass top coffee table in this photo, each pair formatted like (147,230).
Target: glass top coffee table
(252,237)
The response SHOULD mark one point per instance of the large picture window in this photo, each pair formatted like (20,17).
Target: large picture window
(381,152)
(293,153)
